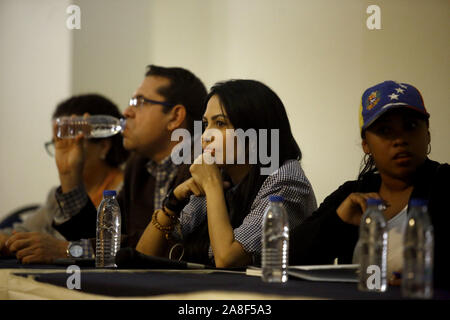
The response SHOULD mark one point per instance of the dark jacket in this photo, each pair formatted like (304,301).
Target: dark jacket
(324,236)
(135,200)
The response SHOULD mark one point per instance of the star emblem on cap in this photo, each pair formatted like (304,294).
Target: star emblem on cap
(400,90)
(393,96)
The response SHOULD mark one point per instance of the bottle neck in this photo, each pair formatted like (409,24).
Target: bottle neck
(420,208)
(378,207)
(276,203)
(418,211)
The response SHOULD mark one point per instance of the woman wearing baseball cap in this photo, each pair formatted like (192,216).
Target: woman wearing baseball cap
(394,127)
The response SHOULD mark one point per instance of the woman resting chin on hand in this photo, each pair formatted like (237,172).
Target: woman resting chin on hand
(221,224)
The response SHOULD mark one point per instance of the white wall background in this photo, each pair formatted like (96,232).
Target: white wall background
(317,55)
(35,64)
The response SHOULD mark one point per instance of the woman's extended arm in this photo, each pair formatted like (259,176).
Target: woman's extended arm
(227,251)
(154,241)
(156,237)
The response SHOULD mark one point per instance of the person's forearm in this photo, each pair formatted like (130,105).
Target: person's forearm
(153,241)
(219,226)
(70,181)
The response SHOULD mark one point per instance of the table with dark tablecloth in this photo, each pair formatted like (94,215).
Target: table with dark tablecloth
(116,283)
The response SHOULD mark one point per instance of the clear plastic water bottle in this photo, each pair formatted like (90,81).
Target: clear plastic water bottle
(275,242)
(418,247)
(371,249)
(95,126)
(108,230)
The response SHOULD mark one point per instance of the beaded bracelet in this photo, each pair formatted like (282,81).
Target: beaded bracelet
(167,230)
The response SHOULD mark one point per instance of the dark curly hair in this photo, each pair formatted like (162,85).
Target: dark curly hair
(96,104)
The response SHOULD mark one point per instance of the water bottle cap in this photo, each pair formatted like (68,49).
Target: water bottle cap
(416,202)
(276,199)
(374,202)
(109,193)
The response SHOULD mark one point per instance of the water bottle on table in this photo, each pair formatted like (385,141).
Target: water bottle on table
(95,126)
(418,247)
(275,242)
(108,230)
(371,249)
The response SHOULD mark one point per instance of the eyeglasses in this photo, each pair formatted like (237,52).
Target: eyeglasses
(140,101)
(50,148)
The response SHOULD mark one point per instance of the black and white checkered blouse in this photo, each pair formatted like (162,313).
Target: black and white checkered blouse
(289,181)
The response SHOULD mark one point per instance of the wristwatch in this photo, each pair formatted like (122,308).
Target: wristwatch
(74,249)
(173,204)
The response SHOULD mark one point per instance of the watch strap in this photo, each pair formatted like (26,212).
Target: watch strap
(68,255)
(173,204)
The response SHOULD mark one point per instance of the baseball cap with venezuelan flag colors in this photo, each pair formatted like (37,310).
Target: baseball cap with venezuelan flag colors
(385,96)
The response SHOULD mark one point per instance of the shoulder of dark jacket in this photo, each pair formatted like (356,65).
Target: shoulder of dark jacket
(430,167)
(136,162)
(432,175)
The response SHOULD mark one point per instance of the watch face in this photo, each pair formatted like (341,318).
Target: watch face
(76,250)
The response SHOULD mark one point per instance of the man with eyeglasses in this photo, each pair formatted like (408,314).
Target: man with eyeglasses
(167,99)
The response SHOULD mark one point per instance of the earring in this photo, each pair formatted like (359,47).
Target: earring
(429,149)
(366,158)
